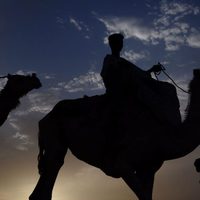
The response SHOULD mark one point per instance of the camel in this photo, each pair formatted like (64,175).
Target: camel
(135,155)
(16,87)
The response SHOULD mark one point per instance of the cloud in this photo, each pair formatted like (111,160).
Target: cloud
(75,23)
(19,140)
(21,72)
(23,121)
(170,24)
(194,39)
(24,73)
(183,97)
(2,83)
(23,141)
(177,8)
(129,26)
(49,77)
(90,81)
(134,56)
(167,26)
(60,20)
(41,102)
(80,26)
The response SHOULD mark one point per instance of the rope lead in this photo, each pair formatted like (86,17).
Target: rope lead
(166,74)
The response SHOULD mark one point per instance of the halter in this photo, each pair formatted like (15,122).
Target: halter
(166,74)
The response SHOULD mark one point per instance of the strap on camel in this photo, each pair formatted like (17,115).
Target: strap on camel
(163,69)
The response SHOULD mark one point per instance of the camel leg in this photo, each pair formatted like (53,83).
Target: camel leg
(138,174)
(3,117)
(141,183)
(53,161)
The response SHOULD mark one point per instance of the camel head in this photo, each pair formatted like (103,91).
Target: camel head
(21,85)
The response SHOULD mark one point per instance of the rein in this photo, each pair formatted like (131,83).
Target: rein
(166,74)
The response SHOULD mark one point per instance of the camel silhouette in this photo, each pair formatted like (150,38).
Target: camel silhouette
(16,87)
(135,155)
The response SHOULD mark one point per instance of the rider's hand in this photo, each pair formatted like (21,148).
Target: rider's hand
(156,68)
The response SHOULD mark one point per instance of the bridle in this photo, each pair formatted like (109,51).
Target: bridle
(163,69)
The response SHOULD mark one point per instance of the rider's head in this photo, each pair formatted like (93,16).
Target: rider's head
(116,42)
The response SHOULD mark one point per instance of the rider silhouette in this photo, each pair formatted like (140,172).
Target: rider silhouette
(126,82)
(122,80)
(118,74)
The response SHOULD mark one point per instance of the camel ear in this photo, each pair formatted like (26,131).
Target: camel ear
(34,75)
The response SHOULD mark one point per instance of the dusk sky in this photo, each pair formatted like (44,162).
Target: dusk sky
(64,42)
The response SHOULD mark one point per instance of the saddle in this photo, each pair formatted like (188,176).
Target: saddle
(161,99)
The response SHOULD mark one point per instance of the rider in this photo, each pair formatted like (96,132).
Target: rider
(124,81)
(118,74)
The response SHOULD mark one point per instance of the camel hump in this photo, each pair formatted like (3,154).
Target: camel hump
(170,103)
(161,98)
